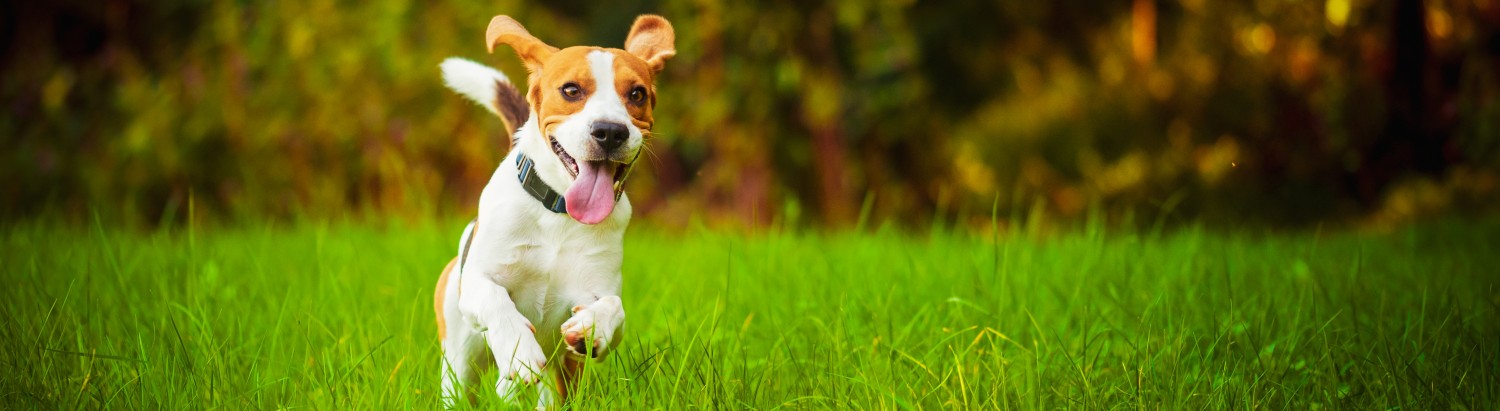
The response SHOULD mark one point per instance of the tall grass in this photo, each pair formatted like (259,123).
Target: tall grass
(338,316)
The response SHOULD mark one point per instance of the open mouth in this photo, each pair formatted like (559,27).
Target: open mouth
(567,160)
(595,188)
(572,164)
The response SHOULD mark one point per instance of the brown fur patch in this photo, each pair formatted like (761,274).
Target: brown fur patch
(512,106)
(652,40)
(505,30)
(631,72)
(437,299)
(569,65)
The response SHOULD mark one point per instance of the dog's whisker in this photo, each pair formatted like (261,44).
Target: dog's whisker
(655,159)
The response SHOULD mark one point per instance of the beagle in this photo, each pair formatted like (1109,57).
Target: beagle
(535,287)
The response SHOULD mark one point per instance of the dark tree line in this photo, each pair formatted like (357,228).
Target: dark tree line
(787,112)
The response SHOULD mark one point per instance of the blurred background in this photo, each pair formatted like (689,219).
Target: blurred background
(781,113)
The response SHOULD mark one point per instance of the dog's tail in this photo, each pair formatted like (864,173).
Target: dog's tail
(488,87)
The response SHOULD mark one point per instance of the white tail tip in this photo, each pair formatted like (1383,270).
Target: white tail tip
(474,81)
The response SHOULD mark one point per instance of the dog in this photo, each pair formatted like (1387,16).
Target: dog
(537,277)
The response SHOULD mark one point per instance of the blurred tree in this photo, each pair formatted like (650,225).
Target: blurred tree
(892,110)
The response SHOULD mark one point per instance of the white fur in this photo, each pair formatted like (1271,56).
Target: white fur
(473,81)
(528,266)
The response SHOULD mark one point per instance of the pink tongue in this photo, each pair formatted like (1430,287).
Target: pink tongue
(592,196)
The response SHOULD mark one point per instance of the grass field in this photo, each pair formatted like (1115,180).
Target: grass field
(339,316)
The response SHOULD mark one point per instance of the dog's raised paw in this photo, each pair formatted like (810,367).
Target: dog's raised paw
(578,333)
(588,333)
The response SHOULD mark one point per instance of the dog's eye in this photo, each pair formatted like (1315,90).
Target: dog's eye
(637,94)
(571,91)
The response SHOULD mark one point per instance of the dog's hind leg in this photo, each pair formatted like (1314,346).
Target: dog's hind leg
(565,371)
(463,347)
(463,359)
(439,302)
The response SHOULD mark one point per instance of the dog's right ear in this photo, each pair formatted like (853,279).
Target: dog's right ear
(651,38)
(505,30)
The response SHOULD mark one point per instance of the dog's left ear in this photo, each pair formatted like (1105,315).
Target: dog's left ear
(505,30)
(652,40)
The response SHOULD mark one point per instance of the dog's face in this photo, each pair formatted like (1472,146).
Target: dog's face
(595,103)
(592,104)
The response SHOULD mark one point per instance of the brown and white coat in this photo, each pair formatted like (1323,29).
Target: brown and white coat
(533,291)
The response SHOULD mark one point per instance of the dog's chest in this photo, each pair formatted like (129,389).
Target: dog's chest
(542,263)
(545,260)
(554,268)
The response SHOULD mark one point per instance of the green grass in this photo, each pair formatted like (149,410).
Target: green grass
(339,317)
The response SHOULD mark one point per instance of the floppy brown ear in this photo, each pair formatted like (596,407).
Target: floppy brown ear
(505,30)
(651,38)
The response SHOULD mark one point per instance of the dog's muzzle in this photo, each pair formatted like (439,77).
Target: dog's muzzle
(609,135)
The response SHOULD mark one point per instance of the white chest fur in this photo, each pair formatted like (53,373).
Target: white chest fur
(547,261)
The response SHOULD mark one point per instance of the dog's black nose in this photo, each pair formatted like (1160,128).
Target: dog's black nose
(609,135)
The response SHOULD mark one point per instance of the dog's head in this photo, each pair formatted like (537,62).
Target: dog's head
(592,104)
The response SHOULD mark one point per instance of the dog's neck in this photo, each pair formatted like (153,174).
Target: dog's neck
(547,167)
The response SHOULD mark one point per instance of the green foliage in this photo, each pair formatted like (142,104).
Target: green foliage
(301,317)
(1144,110)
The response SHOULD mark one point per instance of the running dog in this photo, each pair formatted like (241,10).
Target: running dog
(535,287)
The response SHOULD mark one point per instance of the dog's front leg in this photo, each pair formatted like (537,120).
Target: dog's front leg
(509,334)
(595,327)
